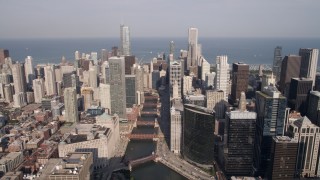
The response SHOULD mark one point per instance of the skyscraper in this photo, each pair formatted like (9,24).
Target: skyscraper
(171,50)
(276,69)
(117,86)
(198,134)
(239,144)
(105,100)
(71,105)
(187,84)
(313,110)
(38,89)
(104,55)
(87,93)
(309,62)
(129,62)
(176,126)
(299,90)
(93,78)
(29,71)
(271,109)
(215,101)
(308,137)
(50,80)
(222,75)
(240,75)
(125,40)
(283,158)
(290,68)
(205,68)
(130,90)
(19,78)
(192,48)
(175,76)
(4,53)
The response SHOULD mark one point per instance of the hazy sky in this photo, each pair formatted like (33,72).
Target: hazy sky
(159,18)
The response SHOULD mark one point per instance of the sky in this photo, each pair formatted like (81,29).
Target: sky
(159,18)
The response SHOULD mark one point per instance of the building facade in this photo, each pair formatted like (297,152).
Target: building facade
(222,75)
(240,75)
(71,105)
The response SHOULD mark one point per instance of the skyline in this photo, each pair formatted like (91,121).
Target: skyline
(82,19)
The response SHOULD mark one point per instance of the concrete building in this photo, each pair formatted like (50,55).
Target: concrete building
(240,75)
(71,105)
(29,70)
(19,100)
(87,93)
(271,113)
(93,78)
(50,80)
(38,89)
(222,75)
(117,86)
(19,78)
(308,137)
(89,138)
(196,99)
(277,58)
(8,93)
(105,100)
(298,95)
(125,48)
(129,62)
(283,158)
(215,101)
(10,161)
(205,68)
(193,55)
(175,76)
(187,84)
(268,80)
(239,142)
(176,114)
(4,53)
(71,79)
(309,63)
(290,68)
(137,70)
(74,165)
(210,78)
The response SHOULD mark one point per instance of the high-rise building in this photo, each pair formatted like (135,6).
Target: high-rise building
(192,48)
(93,78)
(4,53)
(299,90)
(50,80)
(205,68)
(71,105)
(104,55)
(38,89)
(309,62)
(87,93)
(176,126)
(125,40)
(129,62)
(19,78)
(8,93)
(209,81)
(313,110)
(308,137)
(268,80)
(290,68)
(29,71)
(171,50)
(117,86)
(187,84)
(222,75)
(283,158)
(175,76)
(239,143)
(137,70)
(277,58)
(77,55)
(130,90)
(94,57)
(71,79)
(271,111)
(215,101)
(198,134)
(240,75)
(19,100)
(317,82)
(105,100)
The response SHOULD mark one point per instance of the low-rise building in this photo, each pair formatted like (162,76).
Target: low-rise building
(10,161)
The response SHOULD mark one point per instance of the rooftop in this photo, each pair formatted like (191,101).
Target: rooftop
(284,139)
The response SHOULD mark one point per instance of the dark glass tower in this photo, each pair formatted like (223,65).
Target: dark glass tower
(198,134)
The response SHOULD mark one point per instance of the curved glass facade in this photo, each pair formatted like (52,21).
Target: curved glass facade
(198,134)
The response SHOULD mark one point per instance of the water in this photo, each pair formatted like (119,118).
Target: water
(248,50)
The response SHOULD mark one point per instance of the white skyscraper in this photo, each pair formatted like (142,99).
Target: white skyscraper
(222,75)
(71,105)
(308,136)
(19,100)
(105,96)
(19,80)
(187,84)
(94,57)
(192,47)
(29,71)
(38,89)
(93,79)
(125,40)
(210,79)
(50,80)
(205,68)
(175,130)
(175,75)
